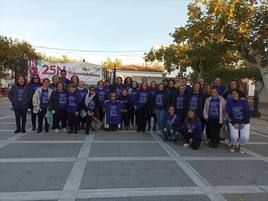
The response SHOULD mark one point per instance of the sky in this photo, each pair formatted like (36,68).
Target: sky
(98,25)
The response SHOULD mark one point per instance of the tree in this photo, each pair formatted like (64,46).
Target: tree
(168,55)
(64,58)
(109,65)
(235,30)
(224,33)
(14,55)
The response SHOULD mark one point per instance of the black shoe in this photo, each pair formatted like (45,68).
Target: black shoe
(33,128)
(39,130)
(87,132)
(46,130)
(17,131)
(70,131)
(23,131)
(75,131)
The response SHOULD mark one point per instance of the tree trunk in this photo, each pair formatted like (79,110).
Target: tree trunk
(201,70)
(264,73)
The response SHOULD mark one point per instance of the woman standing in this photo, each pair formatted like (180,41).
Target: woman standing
(196,102)
(90,106)
(124,100)
(40,104)
(239,122)
(34,84)
(102,95)
(141,105)
(151,112)
(20,98)
(73,108)
(180,102)
(160,106)
(132,110)
(58,104)
(214,115)
(55,80)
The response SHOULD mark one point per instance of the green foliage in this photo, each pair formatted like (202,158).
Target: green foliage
(64,58)
(227,74)
(218,34)
(14,55)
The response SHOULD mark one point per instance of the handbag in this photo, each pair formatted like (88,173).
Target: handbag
(224,132)
(95,123)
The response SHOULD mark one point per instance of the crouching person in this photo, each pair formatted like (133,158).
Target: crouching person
(113,109)
(73,108)
(192,131)
(171,125)
(90,106)
(40,104)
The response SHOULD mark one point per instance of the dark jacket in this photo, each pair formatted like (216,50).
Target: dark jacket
(195,126)
(13,96)
(54,100)
(96,102)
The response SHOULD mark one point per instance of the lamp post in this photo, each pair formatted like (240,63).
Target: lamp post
(114,72)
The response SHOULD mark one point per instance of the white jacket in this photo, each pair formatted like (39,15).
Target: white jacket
(36,99)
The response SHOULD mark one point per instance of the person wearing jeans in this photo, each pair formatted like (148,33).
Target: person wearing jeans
(239,121)
(160,105)
(171,124)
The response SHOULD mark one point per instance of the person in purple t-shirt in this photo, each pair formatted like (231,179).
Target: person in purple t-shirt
(58,104)
(113,109)
(20,98)
(102,94)
(34,84)
(40,104)
(73,108)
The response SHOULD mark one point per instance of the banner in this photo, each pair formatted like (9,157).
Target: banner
(87,72)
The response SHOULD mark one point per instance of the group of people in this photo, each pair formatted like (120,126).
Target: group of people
(172,108)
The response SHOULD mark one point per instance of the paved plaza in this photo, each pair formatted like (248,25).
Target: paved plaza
(126,166)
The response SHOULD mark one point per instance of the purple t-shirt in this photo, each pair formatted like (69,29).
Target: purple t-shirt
(44,99)
(20,96)
(113,112)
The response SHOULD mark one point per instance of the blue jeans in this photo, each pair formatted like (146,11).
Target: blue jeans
(160,114)
(172,135)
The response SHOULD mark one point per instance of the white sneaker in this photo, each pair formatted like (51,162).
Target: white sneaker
(186,145)
(226,141)
(242,150)
(57,130)
(232,149)
(64,130)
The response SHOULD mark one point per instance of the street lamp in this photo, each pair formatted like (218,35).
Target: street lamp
(114,72)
